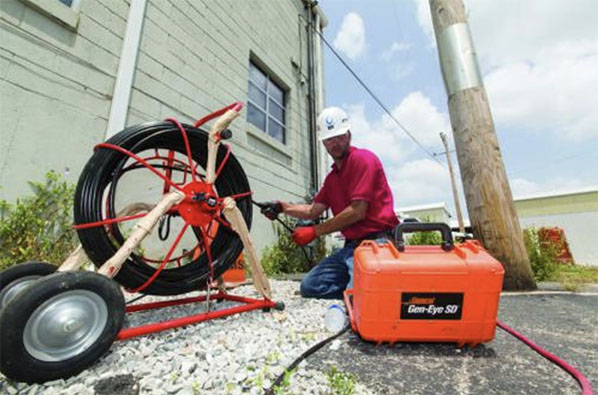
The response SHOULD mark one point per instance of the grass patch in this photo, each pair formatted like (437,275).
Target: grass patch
(575,277)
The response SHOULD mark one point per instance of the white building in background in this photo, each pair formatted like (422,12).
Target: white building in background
(434,212)
(574,211)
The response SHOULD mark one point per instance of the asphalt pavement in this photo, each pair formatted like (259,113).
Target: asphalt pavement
(565,324)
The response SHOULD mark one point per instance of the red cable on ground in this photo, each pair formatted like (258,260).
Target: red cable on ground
(584,383)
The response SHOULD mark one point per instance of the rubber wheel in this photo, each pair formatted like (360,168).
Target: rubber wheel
(59,326)
(16,278)
(103,173)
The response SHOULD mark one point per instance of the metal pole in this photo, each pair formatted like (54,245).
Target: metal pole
(453,183)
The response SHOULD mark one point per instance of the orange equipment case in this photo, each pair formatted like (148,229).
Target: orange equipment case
(446,293)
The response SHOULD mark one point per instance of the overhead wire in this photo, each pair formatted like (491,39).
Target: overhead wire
(376,99)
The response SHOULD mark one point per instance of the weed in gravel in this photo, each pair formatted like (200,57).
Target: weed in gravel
(272,358)
(309,336)
(230,387)
(258,380)
(196,387)
(341,383)
(285,385)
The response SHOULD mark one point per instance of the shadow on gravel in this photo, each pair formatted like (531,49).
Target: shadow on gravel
(124,384)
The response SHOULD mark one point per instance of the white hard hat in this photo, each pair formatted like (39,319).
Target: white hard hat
(332,121)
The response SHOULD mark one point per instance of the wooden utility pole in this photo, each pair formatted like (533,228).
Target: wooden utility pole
(487,193)
(453,183)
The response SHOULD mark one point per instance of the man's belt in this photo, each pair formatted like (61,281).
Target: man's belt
(385,234)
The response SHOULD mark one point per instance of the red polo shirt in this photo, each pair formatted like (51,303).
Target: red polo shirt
(360,177)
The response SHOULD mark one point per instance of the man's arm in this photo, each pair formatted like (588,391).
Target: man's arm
(355,212)
(303,211)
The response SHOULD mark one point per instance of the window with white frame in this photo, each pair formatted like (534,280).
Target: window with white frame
(63,11)
(266,105)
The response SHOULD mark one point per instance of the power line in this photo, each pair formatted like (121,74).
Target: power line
(376,99)
(442,153)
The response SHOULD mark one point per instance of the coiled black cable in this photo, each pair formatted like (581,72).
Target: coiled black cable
(98,185)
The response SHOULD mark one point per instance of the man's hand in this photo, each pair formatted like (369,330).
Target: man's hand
(271,209)
(304,235)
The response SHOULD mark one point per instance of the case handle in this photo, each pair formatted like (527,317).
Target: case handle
(409,227)
(347,296)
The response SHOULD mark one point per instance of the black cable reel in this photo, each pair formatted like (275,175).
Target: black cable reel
(110,174)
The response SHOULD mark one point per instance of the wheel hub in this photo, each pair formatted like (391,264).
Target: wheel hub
(200,204)
(15,288)
(65,325)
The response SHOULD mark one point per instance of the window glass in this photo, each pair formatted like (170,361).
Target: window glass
(276,93)
(276,111)
(257,96)
(256,116)
(67,2)
(257,77)
(275,130)
(266,103)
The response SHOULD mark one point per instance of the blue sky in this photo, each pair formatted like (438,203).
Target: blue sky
(539,60)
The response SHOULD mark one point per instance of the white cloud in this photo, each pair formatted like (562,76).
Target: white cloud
(512,30)
(415,112)
(540,59)
(376,136)
(396,47)
(557,92)
(401,70)
(424,18)
(350,39)
(418,115)
(420,181)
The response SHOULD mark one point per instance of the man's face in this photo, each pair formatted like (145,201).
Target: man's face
(338,146)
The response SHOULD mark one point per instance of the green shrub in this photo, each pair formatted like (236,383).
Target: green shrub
(38,227)
(542,256)
(284,256)
(432,237)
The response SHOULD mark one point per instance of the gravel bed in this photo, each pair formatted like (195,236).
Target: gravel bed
(243,353)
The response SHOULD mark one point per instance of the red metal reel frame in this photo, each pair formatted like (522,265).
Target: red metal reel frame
(201,206)
(248,304)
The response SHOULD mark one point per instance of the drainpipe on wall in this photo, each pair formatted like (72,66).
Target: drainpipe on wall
(126,69)
(321,22)
(313,161)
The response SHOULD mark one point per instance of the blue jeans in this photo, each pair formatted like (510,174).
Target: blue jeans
(329,278)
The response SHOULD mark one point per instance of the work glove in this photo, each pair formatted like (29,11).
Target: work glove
(271,209)
(304,235)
